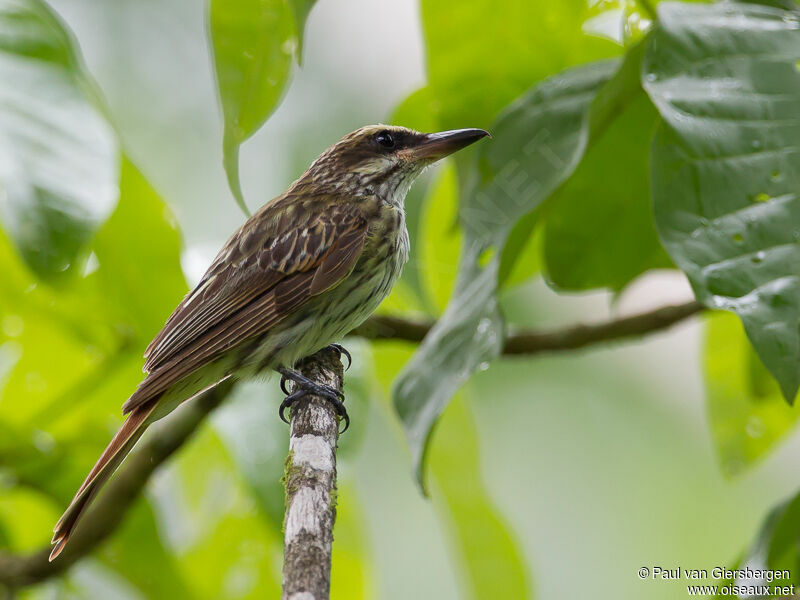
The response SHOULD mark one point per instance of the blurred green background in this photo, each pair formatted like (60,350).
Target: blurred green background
(550,476)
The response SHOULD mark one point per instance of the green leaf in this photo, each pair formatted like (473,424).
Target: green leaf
(493,565)
(776,546)
(58,156)
(783,550)
(599,230)
(467,87)
(480,58)
(726,166)
(300,10)
(467,335)
(227,550)
(77,350)
(439,239)
(253,43)
(257,443)
(21,509)
(550,125)
(139,248)
(351,571)
(137,552)
(521,258)
(76,354)
(782,4)
(637,19)
(746,410)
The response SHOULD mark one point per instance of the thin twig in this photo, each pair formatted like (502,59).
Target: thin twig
(528,342)
(311,484)
(120,493)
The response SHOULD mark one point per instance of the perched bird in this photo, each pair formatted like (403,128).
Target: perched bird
(301,273)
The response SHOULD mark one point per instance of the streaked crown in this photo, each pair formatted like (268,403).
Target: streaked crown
(383,159)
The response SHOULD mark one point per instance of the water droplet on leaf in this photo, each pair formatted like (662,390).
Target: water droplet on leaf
(755,427)
(762,197)
(43,441)
(483,325)
(288,46)
(13,325)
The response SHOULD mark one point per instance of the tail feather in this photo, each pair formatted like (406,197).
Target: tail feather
(119,447)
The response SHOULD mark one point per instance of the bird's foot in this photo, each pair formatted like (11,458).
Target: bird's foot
(342,352)
(303,387)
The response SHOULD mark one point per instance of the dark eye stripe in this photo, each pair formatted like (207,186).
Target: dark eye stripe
(385,139)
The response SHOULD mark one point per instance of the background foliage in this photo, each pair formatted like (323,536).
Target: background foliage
(634,142)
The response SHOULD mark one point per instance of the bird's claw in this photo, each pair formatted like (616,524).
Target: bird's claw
(284,379)
(342,352)
(304,386)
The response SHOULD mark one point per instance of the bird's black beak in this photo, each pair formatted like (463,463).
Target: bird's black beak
(435,146)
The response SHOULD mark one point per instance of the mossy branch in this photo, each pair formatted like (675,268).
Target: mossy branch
(310,481)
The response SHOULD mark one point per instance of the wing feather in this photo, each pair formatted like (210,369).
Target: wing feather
(261,275)
(337,263)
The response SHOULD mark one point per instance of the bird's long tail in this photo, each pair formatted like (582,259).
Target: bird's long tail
(119,447)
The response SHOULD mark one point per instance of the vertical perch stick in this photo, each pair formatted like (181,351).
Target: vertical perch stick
(311,484)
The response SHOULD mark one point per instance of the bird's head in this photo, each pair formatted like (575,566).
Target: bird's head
(384,160)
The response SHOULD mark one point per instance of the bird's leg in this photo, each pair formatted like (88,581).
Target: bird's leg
(303,386)
(342,352)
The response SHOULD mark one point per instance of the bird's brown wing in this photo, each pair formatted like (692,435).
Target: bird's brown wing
(279,259)
(284,255)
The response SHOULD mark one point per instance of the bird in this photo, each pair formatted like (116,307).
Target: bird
(302,272)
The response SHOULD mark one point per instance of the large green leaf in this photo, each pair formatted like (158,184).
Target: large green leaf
(551,127)
(746,410)
(489,559)
(300,9)
(782,4)
(467,335)
(522,254)
(81,345)
(439,239)
(77,356)
(492,562)
(139,252)
(726,165)
(776,547)
(58,156)
(467,87)
(137,552)
(226,549)
(351,571)
(481,55)
(253,43)
(257,442)
(599,229)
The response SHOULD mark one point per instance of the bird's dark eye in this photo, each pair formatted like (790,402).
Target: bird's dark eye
(385,139)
